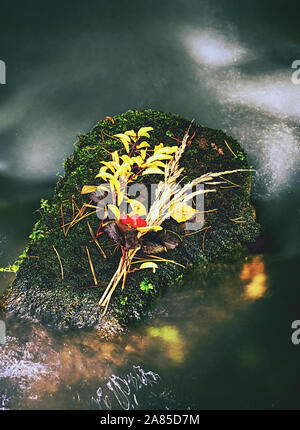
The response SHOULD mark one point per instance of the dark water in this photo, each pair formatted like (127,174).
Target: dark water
(225,344)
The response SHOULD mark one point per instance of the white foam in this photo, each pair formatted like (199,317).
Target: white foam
(209,47)
(276,94)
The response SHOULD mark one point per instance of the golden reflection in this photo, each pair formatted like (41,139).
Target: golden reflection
(254,272)
(175,346)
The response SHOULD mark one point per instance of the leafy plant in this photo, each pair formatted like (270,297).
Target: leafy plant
(13,268)
(146,285)
(123,300)
(44,205)
(128,230)
(241,155)
(37,235)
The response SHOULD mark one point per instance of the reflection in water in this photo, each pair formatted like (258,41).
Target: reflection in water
(41,369)
(173,343)
(254,272)
(124,390)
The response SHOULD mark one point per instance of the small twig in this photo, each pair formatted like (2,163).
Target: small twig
(157,258)
(196,232)
(230,182)
(239,219)
(91,266)
(77,220)
(60,262)
(104,143)
(235,156)
(208,211)
(63,221)
(85,288)
(190,139)
(204,234)
(95,240)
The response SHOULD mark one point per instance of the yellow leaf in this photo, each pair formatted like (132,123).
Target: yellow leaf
(149,228)
(122,136)
(153,171)
(138,160)
(183,213)
(126,146)
(102,188)
(120,197)
(143,144)
(124,169)
(127,159)
(115,157)
(149,265)
(116,184)
(130,133)
(124,139)
(167,150)
(156,157)
(115,211)
(137,207)
(111,165)
(86,189)
(143,153)
(104,175)
(144,131)
(103,169)
(161,145)
(158,164)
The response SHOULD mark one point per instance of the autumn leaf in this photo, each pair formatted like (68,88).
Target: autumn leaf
(153,171)
(104,175)
(87,189)
(144,131)
(124,139)
(137,207)
(149,265)
(149,228)
(130,133)
(183,213)
(115,211)
(143,144)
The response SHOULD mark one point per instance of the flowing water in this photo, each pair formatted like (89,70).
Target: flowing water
(225,343)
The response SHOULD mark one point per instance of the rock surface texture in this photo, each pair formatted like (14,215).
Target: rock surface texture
(39,292)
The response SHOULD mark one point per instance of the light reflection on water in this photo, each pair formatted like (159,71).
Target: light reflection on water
(124,390)
(40,369)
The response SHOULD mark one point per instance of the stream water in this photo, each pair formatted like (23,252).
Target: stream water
(225,344)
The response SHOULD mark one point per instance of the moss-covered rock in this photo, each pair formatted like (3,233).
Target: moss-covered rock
(38,292)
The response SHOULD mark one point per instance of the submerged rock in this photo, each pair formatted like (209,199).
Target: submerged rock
(40,292)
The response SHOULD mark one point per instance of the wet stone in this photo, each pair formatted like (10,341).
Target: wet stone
(38,293)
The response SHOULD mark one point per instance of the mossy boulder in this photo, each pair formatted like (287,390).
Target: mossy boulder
(38,291)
